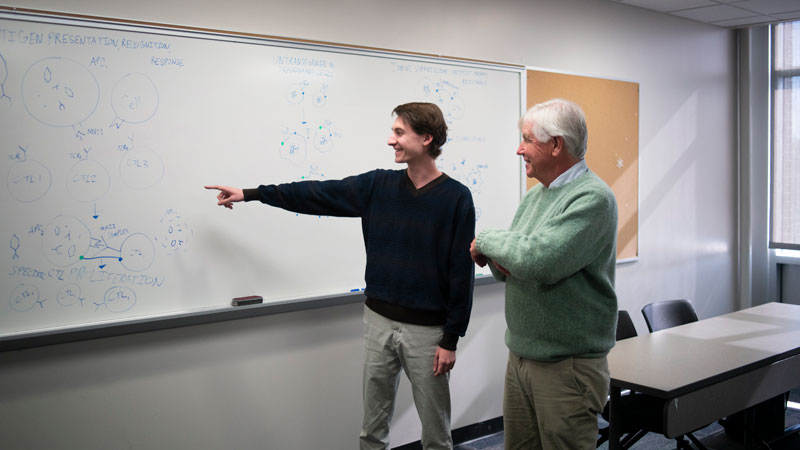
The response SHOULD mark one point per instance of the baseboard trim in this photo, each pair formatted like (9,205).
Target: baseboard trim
(465,434)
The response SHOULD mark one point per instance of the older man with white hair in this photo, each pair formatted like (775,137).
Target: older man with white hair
(557,260)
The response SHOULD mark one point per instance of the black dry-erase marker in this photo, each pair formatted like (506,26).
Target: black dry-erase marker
(248,300)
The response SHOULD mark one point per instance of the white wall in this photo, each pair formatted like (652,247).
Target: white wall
(292,381)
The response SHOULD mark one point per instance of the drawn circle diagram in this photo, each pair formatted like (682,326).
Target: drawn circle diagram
(28,181)
(119,299)
(323,139)
(293,148)
(141,168)
(443,94)
(320,98)
(69,294)
(3,77)
(451,104)
(88,181)
(59,92)
(296,93)
(427,87)
(24,297)
(175,234)
(474,181)
(65,240)
(137,252)
(3,70)
(134,98)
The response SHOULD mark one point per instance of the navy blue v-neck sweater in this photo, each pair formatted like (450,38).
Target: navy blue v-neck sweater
(417,241)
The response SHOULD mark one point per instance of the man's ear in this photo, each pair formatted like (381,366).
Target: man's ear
(558,145)
(427,139)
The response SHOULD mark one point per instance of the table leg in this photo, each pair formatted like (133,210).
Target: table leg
(614,424)
(748,428)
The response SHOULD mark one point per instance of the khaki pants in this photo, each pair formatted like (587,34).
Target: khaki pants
(553,405)
(390,346)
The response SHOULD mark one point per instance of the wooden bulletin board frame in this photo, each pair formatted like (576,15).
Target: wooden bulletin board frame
(612,116)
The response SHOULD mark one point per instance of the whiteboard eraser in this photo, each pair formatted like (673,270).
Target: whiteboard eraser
(248,300)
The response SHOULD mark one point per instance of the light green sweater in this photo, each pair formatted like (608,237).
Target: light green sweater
(561,254)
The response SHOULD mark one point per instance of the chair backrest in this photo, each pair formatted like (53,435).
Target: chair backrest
(668,314)
(625,327)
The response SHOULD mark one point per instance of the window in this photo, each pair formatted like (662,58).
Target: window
(785,182)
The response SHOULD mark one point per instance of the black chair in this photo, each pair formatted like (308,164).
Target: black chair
(625,327)
(659,316)
(625,330)
(668,314)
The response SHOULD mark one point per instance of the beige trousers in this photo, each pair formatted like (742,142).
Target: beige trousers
(389,347)
(553,405)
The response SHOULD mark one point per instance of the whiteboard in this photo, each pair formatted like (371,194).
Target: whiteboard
(110,131)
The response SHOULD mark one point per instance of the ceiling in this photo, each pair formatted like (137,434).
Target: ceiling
(725,13)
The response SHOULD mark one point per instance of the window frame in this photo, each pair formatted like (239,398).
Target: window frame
(786,249)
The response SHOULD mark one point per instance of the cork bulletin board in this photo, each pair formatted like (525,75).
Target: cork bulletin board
(612,116)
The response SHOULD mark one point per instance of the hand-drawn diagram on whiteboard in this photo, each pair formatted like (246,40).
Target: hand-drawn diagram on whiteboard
(28,180)
(79,241)
(134,99)
(294,144)
(446,95)
(110,131)
(141,168)
(88,180)
(3,78)
(174,233)
(469,174)
(59,92)
(302,143)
